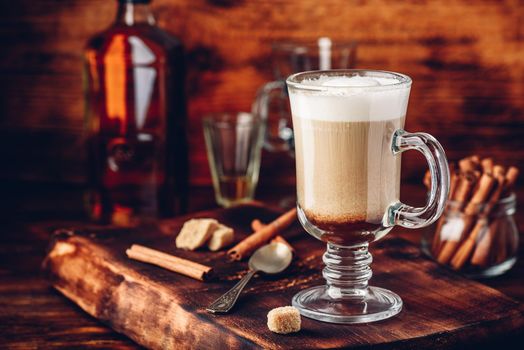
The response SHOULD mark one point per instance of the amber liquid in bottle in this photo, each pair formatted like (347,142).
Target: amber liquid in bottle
(135,120)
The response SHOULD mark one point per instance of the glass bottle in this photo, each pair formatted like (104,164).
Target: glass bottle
(135,119)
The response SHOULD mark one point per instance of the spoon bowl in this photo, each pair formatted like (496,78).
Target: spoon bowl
(271,258)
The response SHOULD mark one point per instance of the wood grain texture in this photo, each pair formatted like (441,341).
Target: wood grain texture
(159,309)
(465,58)
(34,315)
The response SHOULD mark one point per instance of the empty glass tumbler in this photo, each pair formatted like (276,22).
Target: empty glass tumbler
(233,142)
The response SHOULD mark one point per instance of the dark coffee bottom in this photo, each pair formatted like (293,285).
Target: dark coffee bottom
(346,233)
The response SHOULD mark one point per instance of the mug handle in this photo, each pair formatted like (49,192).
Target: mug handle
(278,135)
(410,217)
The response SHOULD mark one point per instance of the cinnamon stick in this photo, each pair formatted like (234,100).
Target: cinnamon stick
(169,262)
(260,237)
(469,164)
(487,165)
(463,253)
(511,179)
(482,250)
(461,194)
(481,255)
(464,189)
(258,225)
(448,250)
(479,196)
(475,158)
(499,170)
(437,239)
(485,186)
(504,245)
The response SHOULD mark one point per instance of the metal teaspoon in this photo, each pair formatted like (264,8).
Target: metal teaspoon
(271,259)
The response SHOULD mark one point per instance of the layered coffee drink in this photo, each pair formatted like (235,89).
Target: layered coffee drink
(349,134)
(347,174)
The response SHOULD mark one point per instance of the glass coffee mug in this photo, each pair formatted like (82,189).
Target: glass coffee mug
(349,138)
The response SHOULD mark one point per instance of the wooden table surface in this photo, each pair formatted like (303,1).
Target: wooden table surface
(33,315)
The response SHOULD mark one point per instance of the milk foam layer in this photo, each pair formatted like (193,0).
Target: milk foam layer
(356,98)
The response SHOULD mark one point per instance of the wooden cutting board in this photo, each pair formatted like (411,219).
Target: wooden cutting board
(161,309)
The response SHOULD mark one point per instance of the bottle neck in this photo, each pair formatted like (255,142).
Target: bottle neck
(132,13)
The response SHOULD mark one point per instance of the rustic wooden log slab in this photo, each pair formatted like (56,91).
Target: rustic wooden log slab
(161,309)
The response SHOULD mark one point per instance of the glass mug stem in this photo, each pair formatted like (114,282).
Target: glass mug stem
(347,271)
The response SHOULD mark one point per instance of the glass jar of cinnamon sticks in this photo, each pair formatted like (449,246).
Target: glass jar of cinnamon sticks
(477,234)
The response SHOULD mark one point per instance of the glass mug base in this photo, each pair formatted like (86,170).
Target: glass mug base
(346,297)
(372,304)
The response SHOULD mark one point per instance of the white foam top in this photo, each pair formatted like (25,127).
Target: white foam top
(355,98)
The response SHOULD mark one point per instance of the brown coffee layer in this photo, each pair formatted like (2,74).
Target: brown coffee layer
(334,219)
(344,230)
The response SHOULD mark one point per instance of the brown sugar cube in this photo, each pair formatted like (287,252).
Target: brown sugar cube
(284,320)
(195,233)
(221,238)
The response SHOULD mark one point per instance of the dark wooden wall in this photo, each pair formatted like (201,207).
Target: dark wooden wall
(466,58)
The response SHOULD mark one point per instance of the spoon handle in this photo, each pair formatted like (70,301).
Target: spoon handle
(228,299)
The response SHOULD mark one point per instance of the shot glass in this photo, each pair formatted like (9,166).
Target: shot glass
(233,143)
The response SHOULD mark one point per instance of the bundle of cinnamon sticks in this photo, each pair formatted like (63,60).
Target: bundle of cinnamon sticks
(469,233)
